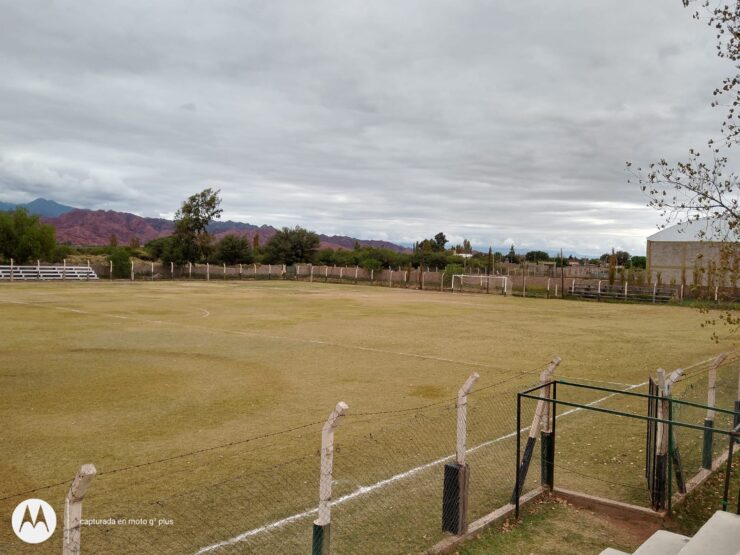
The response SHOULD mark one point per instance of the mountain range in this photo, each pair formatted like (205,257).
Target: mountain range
(76,226)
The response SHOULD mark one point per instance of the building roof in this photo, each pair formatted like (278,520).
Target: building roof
(703,229)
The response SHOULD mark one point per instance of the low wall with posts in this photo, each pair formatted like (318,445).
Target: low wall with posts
(413,479)
(429,279)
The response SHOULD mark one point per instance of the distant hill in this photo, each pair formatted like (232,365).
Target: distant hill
(95,227)
(40,207)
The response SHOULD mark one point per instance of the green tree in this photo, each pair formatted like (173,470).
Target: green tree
(622,257)
(489,262)
(440,240)
(638,262)
(157,247)
(536,256)
(192,242)
(371,264)
(233,249)
(121,260)
(612,267)
(512,257)
(24,238)
(289,246)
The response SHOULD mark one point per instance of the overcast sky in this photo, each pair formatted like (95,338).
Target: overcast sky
(497,121)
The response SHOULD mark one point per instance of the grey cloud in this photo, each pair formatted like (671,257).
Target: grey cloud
(379,119)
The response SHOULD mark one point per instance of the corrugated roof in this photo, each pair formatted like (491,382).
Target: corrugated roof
(693,230)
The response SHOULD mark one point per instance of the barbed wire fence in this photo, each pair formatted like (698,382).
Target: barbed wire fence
(260,494)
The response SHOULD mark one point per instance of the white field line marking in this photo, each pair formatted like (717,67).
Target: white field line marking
(595,381)
(363,490)
(265,336)
(206,314)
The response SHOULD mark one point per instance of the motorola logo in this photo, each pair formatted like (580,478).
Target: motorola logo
(34,521)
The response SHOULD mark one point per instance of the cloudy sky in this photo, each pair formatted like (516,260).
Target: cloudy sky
(497,121)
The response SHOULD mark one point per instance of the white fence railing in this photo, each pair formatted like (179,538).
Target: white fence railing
(46,273)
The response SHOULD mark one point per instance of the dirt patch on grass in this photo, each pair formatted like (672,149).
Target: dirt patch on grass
(554,526)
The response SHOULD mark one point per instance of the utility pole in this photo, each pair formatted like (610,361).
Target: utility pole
(562,274)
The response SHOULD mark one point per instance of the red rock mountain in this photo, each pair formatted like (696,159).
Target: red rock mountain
(95,227)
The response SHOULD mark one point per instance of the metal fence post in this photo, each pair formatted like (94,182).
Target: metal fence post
(534,429)
(73,509)
(321,526)
(456,475)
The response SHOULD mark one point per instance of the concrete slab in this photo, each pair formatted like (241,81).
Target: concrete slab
(720,535)
(663,542)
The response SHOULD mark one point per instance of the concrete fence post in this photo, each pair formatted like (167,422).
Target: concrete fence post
(548,288)
(11,269)
(390,277)
(524,287)
(371,275)
(310,277)
(534,431)
(357,269)
(224,270)
(64,269)
(87,276)
(190,270)
(38,269)
(152,272)
(208,271)
(341,273)
(655,289)
(625,290)
(172,270)
(661,467)
(132,270)
(456,475)
(73,509)
(111,271)
(706,454)
(321,526)
(269,271)
(240,271)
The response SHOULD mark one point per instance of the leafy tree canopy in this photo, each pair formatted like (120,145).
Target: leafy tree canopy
(289,246)
(24,238)
(233,249)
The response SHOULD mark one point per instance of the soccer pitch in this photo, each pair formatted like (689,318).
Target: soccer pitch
(187,389)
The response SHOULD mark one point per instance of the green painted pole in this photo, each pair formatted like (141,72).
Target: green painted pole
(706,454)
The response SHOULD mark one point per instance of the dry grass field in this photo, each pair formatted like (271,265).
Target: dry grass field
(181,394)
